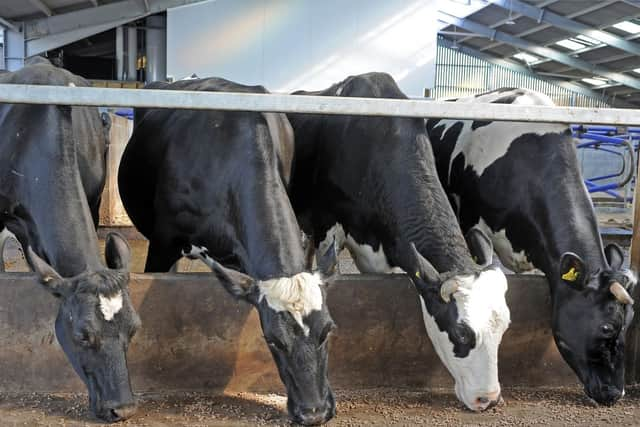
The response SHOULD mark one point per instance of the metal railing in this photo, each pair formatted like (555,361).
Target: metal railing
(194,100)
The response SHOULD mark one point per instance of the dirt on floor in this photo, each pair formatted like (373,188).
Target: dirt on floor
(383,407)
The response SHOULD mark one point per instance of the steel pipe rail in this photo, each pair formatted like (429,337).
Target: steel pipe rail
(192,100)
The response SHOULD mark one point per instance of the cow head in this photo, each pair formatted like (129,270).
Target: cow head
(591,314)
(465,316)
(296,325)
(94,326)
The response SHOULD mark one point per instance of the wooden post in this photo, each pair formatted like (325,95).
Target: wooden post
(112,213)
(633,334)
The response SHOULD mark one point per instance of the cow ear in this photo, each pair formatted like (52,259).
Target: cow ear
(421,272)
(117,252)
(614,255)
(328,261)
(236,283)
(480,246)
(48,276)
(572,270)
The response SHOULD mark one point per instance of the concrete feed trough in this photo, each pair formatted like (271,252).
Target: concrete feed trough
(196,337)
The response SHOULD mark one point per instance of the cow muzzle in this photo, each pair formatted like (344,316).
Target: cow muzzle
(604,395)
(316,414)
(488,401)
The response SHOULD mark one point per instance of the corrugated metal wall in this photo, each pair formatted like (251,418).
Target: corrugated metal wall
(459,74)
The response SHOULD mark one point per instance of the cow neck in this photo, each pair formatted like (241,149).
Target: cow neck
(268,240)
(64,224)
(438,239)
(424,216)
(575,230)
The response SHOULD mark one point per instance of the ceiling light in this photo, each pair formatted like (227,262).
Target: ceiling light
(526,57)
(570,44)
(595,81)
(628,27)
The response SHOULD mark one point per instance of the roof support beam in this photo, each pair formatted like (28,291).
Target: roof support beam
(549,17)
(42,6)
(10,25)
(512,17)
(50,33)
(524,70)
(112,12)
(538,28)
(493,34)
(596,61)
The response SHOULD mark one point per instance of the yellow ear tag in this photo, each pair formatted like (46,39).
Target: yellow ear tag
(418,274)
(571,275)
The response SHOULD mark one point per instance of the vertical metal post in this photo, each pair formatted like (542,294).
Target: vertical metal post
(119,53)
(14,49)
(633,334)
(132,53)
(156,39)
(2,51)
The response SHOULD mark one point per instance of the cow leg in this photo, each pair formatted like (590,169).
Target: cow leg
(309,250)
(5,235)
(95,211)
(160,258)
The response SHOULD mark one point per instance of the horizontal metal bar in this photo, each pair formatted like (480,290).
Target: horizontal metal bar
(192,100)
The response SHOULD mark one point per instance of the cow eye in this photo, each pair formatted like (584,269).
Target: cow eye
(607,330)
(276,344)
(84,338)
(464,335)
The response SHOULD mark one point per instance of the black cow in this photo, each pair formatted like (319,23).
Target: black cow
(213,185)
(520,183)
(370,183)
(52,171)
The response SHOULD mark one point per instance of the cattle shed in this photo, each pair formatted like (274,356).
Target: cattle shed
(200,357)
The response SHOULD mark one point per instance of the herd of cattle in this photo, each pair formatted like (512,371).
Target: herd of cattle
(238,190)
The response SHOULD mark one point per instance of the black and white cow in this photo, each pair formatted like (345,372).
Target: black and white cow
(213,185)
(520,182)
(52,171)
(370,184)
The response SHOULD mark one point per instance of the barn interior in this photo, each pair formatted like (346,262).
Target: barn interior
(580,53)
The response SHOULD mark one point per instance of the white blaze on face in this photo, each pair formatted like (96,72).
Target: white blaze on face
(110,306)
(481,305)
(299,295)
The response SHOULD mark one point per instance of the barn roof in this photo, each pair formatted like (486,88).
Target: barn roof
(595,44)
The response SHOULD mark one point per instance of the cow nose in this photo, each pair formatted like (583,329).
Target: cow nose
(312,416)
(488,400)
(124,412)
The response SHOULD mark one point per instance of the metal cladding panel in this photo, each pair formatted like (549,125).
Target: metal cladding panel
(459,75)
(305,44)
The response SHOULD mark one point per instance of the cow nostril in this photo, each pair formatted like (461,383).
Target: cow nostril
(114,415)
(483,399)
(123,412)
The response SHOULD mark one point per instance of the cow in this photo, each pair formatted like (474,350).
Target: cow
(370,184)
(213,185)
(520,182)
(52,171)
